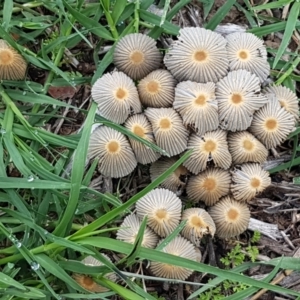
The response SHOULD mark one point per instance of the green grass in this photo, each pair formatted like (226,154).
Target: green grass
(43,206)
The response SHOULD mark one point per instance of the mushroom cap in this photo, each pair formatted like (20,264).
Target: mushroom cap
(116,158)
(238,96)
(169,131)
(199,223)
(128,235)
(249,180)
(136,55)
(197,105)
(181,247)
(139,125)
(287,99)
(174,182)
(12,64)
(246,51)
(116,96)
(209,186)
(231,217)
(163,209)
(199,55)
(157,89)
(211,146)
(272,123)
(245,147)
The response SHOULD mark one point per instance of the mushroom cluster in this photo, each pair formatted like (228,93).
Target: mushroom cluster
(205,94)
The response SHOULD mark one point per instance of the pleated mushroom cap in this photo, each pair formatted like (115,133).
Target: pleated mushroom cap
(198,55)
(169,131)
(245,147)
(136,55)
(287,99)
(197,105)
(157,89)
(272,123)
(139,125)
(116,96)
(246,51)
(176,181)
(116,158)
(248,180)
(130,228)
(209,186)
(231,217)
(211,146)
(12,65)
(180,247)
(163,209)
(238,95)
(199,223)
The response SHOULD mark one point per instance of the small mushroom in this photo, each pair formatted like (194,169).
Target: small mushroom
(231,217)
(163,209)
(136,55)
(248,180)
(209,186)
(116,158)
(116,96)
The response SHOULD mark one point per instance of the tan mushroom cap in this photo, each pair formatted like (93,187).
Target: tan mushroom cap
(272,123)
(245,147)
(248,180)
(211,146)
(246,51)
(163,209)
(175,182)
(116,158)
(287,99)
(209,186)
(130,229)
(199,223)
(198,55)
(139,125)
(231,217)
(197,105)
(238,96)
(180,247)
(136,55)
(169,131)
(157,89)
(116,96)
(12,65)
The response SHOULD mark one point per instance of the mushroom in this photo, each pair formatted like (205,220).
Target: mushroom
(157,89)
(209,186)
(12,65)
(231,217)
(163,209)
(139,125)
(211,146)
(116,96)
(238,96)
(128,235)
(169,131)
(248,180)
(180,247)
(176,181)
(246,51)
(116,158)
(272,123)
(245,147)
(197,105)
(199,223)
(199,55)
(136,55)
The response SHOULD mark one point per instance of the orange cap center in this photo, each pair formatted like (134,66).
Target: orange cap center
(236,98)
(161,213)
(232,214)
(6,57)
(113,147)
(196,221)
(210,146)
(243,54)
(271,124)
(165,123)
(121,94)
(153,87)
(137,57)
(139,130)
(200,100)
(200,56)
(209,184)
(255,183)
(248,145)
